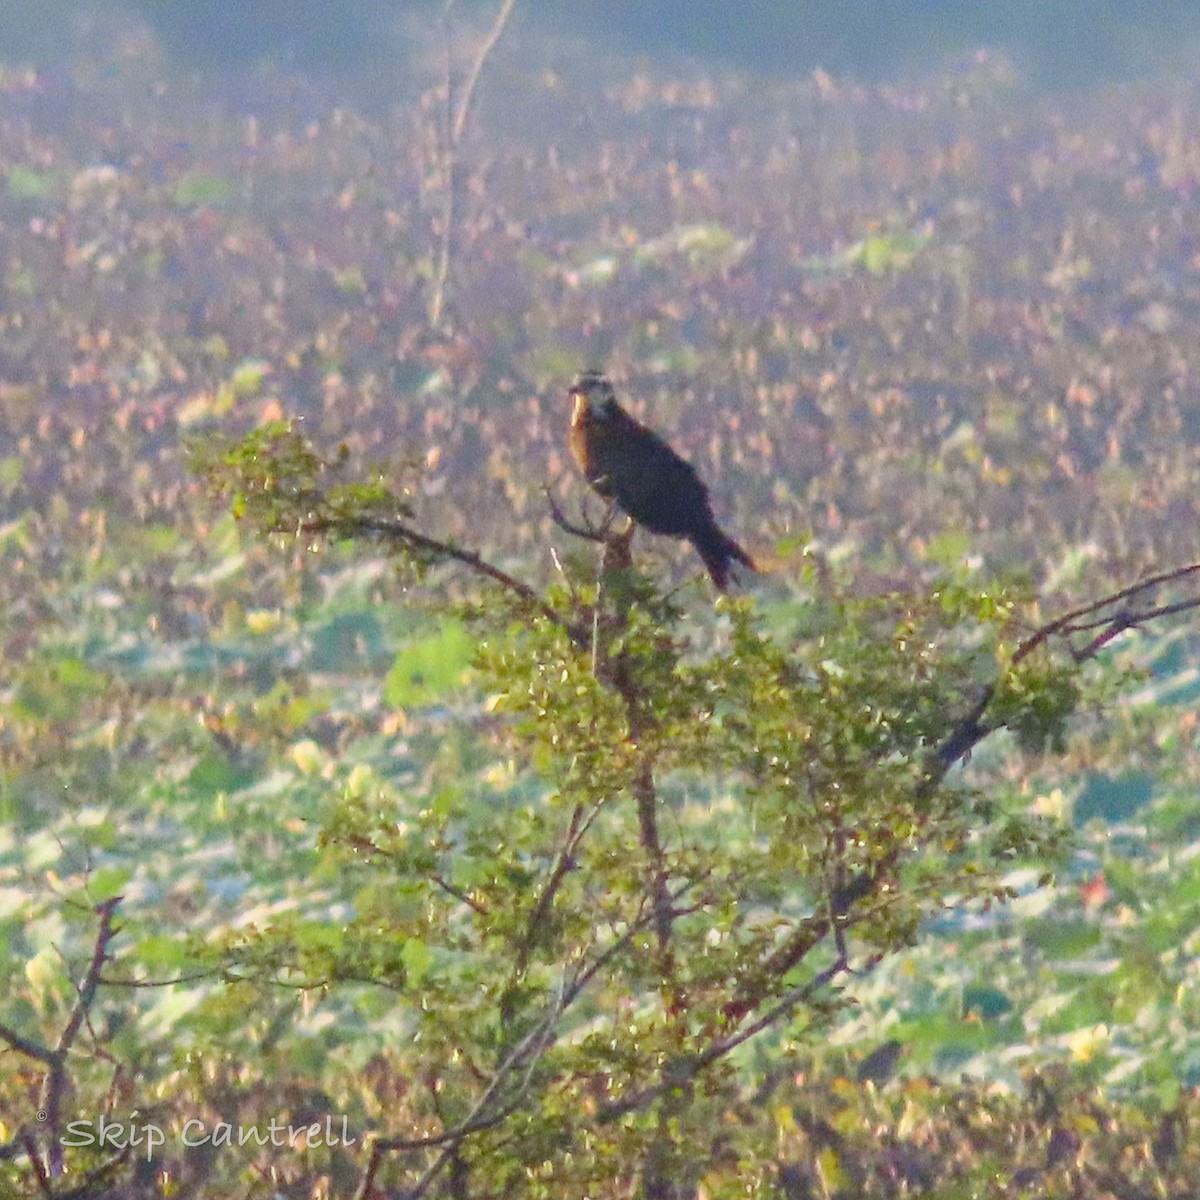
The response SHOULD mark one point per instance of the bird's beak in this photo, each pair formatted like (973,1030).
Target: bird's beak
(579,410)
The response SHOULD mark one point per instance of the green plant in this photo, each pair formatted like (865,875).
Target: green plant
(726,824)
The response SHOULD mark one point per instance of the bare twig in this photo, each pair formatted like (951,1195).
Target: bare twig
(55,1083)
(720,1047)
(1069,621)
(485,51)
(1085,618)
(590,532)
(403,534)
(454,126)
(564,862)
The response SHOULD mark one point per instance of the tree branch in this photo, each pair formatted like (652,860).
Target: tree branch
(963,737)
(972,729)
(524,1057)
(455,124)
(1069,622)
(466,99)
(564,862)
(54,1086)
(786,1004)
(407,536)
(534,1045)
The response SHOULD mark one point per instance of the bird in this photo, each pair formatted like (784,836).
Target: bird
(633,467)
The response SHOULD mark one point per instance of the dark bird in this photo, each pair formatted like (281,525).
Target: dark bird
(631,465)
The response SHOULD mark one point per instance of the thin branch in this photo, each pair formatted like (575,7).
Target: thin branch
(658,876)
(456,117)
(406,535)
(26,1046)
(449,172)
(809,934)
(54,1088)
(91,981)
(973,728)
(642,921)
(106,980)
(693,1065)
(1067,622)
(531,1048)
(784,1006)
(366,1183)
(467,97)
(590,532)
(525,1056)
(86,1188)
(35,1161)
(564,862)
(459,894)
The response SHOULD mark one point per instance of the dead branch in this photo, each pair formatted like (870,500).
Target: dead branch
(454,126)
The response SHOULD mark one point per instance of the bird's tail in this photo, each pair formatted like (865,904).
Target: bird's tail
(719,553)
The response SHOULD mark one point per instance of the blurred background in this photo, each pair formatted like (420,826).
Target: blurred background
(1060,44)
(913,283)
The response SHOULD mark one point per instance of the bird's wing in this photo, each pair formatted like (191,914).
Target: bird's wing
(651,482)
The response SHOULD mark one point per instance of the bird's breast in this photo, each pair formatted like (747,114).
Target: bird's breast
(591,446)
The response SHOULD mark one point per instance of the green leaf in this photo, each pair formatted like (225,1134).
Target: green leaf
(162,952)
(417,959)
(107,882)
(430,669)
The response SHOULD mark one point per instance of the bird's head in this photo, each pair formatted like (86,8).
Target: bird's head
(592,399)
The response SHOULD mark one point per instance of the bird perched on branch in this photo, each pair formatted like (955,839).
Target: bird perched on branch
(631,465)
